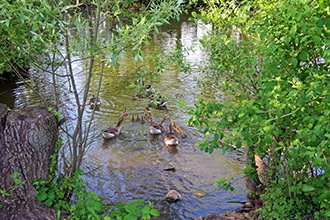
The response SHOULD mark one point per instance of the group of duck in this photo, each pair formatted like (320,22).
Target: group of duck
(170,139)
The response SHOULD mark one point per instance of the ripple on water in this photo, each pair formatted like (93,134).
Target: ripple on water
(132,167)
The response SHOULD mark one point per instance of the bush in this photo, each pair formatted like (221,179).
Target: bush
(275,78)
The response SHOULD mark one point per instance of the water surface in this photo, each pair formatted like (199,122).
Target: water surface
(132,165)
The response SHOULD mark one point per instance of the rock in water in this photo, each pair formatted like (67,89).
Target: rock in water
(173,196)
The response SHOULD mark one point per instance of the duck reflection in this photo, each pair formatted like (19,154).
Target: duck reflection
(172,149)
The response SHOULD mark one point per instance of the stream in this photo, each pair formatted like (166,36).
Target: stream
(132,165)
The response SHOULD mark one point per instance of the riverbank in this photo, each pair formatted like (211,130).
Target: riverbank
(246,212)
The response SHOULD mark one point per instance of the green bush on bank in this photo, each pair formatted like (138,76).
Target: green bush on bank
(271,59)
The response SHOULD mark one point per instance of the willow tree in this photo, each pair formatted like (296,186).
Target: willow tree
(271,59)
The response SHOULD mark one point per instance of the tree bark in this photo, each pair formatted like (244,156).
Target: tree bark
(27,140)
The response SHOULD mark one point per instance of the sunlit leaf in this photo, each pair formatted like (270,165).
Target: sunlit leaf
(143,20)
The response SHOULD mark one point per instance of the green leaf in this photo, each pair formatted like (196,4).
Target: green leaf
(131,217)
(308,188)
(238,143)
(154,212)
(293,30)
(294,62)
(143,20)
(216,137)
(317,40)
(49,202)
(16,179)
(304,56)
(182,103)
(318,129)
(22,17)
(60,195)
(41,196)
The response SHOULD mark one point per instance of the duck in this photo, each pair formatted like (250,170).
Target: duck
(93,102)
(148,88)
(158,128)
(158,103)
(144,91)
(171,138)
(112,132)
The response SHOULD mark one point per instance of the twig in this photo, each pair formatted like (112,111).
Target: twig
(286,115)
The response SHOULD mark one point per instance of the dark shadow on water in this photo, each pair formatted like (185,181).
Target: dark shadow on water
(172,149)
(155,139)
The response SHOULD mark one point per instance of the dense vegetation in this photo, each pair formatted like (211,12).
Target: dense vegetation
(270,59)
(49,35)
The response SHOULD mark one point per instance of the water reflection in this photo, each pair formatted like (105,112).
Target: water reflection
(7,94)
(132,165)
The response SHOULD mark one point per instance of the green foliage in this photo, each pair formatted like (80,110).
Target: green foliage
(27,29)
(135,33)
(57,193)
(272,59)
(87,205)
(17,181)
(134,210)
(4,193)
(69,194)
(47,34)
(154,65)
(223,183)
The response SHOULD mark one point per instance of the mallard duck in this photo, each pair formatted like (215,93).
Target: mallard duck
(112,132)
(171,138)
(148,88)
(158,128)
(158,103)
(144,91)
(93,103)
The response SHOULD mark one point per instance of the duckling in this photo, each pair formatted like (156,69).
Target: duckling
(94,103)
(142,121)
(137,118)
(178,129)
(148,116)
(112,132)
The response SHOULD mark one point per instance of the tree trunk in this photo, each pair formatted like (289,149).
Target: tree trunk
(27,140)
